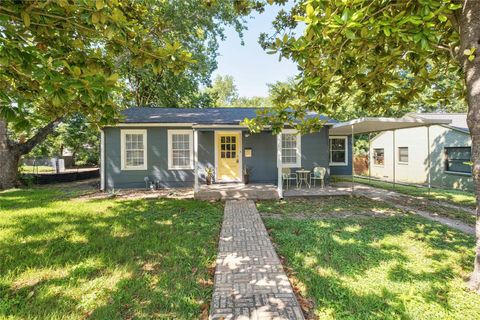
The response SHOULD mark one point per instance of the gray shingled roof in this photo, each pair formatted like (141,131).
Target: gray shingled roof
(193,115)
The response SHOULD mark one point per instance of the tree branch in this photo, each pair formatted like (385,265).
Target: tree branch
(41,134)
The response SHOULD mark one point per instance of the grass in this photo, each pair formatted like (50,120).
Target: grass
(398,267)
(65,258)
(453,213)
(326,206)
(456,197)
(35,169)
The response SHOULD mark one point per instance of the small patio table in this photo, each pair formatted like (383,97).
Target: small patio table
(303,177)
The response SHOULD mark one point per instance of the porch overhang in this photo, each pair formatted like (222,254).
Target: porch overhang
(377,124)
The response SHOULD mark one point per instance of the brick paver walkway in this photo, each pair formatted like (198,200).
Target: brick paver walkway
(249,279)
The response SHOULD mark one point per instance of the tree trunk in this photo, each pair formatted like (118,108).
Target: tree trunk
(470,38)
(9,159)
(10,152)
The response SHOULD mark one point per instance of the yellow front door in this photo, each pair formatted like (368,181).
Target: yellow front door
(228,156)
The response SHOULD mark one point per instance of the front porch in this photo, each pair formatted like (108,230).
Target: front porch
(259,191)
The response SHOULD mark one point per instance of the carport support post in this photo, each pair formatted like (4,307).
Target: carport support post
(393,158)
(279,166)
(195,160)
(369,155)
(429,165)
(353,158)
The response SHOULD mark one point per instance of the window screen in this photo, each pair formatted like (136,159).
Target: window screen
(180,150)
(289,148)
(403,154)
(338,147)
(457,159)
(134,150)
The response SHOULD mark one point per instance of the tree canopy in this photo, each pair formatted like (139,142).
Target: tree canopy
(198,25)
(61,58)
(381,57)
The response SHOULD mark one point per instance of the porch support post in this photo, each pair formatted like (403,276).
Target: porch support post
(353,158)
(195,159)
(279,166)
(393,158)
(429,162)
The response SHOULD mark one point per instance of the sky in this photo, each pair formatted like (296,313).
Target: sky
(251,67)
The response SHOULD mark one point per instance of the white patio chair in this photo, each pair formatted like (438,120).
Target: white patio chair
(287,176)
(318,174)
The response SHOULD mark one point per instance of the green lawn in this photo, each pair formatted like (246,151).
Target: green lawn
(326,206)
(396,267)
(451,196)
(65,258)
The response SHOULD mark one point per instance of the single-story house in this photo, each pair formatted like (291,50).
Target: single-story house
(404,153)
(173,147)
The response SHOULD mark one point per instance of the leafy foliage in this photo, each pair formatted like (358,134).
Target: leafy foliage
(223,91)
(59,58)
(197,25)
(367,57)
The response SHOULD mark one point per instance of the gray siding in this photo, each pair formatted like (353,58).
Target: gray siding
(264,157)
(157,162)
(263,161)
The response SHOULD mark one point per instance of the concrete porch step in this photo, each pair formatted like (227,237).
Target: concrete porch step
(237,191)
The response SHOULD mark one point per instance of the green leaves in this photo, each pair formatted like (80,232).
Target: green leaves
(470,53)
(372,57)
(25,18)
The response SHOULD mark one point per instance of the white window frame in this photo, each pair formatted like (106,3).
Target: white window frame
(408,155)
(123,148)
(345,163)
(170,149)
(298,163)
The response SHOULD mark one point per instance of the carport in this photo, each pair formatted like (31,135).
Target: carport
(370,125)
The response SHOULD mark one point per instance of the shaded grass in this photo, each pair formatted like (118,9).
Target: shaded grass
(454,213)
(326,205)
(63,258)
(451,196)
(401,267)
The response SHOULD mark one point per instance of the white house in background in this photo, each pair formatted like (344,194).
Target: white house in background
(450,152)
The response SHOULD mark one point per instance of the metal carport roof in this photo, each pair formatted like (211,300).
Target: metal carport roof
(376,124)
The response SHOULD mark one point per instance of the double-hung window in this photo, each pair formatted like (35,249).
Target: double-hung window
(133,149)
(457,159)
(403,154)
(338,151)
(291,148)
(180,149)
